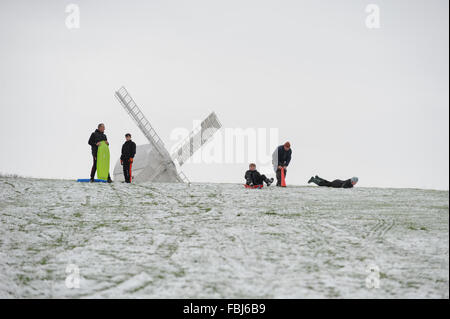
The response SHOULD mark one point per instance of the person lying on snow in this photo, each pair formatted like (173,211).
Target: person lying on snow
(253,177)
(337,183)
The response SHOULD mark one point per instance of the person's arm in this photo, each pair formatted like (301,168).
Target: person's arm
(122,155)
(91,141)
(101,140)
(133,150)
(96,139)
(348,184)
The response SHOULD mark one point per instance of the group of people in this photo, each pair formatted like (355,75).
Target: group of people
(281,158)
(126,158)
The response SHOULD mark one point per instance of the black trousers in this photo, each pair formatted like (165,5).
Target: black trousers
(126,170)
(324,182)
(279,176)
(94,167)
(337,183)
(259,179)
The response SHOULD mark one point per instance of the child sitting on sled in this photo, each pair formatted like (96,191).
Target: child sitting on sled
(253,177)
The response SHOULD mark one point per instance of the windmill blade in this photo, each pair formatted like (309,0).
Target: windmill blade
(144,125)
(161,167)
(197,138)
(183,177)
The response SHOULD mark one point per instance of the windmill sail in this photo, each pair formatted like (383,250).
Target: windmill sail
(197,138)
(144,125)
(152,161)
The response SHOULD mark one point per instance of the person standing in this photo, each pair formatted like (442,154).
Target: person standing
(126,159)
(94,141)
(281,158)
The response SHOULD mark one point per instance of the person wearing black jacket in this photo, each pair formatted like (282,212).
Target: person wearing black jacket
(94,141)
(126,159)
(337,183)
(281,158)
(253,177)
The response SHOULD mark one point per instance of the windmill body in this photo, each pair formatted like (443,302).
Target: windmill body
(149,165)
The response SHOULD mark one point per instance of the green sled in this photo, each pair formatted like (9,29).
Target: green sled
(103,161)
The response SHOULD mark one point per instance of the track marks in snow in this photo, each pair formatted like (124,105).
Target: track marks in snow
(220,240)
(381,228)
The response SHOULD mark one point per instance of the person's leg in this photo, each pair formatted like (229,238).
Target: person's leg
(278,174)
(268,181)
(258,179)
(322,182)
(126,171)
(94,167)
(129,171)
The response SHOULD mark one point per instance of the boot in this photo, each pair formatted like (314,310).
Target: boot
(318,179)
(269,181)
(311,180)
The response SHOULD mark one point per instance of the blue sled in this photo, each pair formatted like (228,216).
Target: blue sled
(87,180)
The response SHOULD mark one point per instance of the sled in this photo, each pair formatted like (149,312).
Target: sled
(254,186)
(87,180)
(103,161)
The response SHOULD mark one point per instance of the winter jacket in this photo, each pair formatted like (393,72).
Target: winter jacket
(96,137)
(281,157)
(342,184)
(254,177)
(128,150)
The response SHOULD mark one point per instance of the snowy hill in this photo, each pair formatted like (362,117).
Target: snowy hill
(221,240)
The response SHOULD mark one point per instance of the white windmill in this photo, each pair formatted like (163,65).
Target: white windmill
(152,161)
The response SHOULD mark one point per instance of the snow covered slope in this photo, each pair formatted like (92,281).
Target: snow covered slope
(221,240)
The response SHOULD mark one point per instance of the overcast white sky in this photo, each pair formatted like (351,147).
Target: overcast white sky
(351,100)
